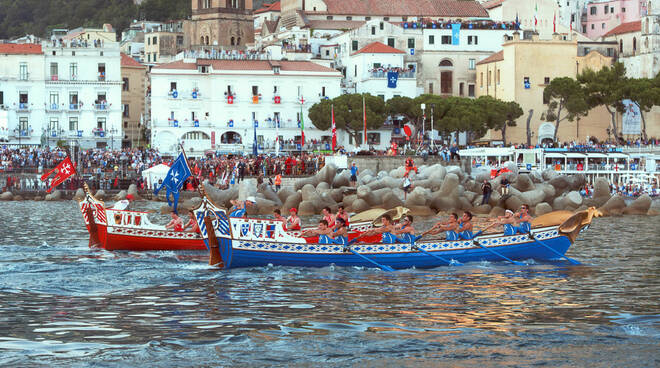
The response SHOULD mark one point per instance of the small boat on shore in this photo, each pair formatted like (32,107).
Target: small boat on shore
(125,230)
(236,243)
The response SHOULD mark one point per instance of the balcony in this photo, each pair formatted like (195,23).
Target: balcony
(52,107)
(101,77)
(102,107)
(277,99)
(54,77)
(23,107)
(74,107)
(230,98)
(22,133)
(195,94)
(256,99)
(174,94)
(382,74)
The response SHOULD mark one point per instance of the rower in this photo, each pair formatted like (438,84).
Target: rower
(341,213)
(241,206)
(508,221)
(175,223)
(465,226)
(323,232)
(524,220)
(293,222)
(192,223)
(386,230)
(405,232)
(328,217)
(277,216)
(340,233)
(449,227)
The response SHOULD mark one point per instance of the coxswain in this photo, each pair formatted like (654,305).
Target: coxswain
(328,216)
(293,221)
(449,227)
(124,203)
(192,223)
(175,223)
(240,207)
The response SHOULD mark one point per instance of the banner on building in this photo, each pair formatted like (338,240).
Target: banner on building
(455,33)
(392,79)
(632,118)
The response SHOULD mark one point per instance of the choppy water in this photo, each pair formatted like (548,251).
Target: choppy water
(62,304)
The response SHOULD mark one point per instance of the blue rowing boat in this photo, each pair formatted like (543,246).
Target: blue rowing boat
(244,242)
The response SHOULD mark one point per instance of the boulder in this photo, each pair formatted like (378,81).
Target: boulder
(38,198)
(322,186)
(559,203)
(80,195)
(6,196)
(360,205)
(470,196)
(337,195)
(133,190)
(366,179)
(293,201)
(436,172)
(342,180)
(601,193)
(365,193)
(18,197)
(423,211)
(326,174)
(524,183)
(533,197)
(548,174)
(100,194)
(365,172)
(483,209)
(560,182)
(573,199)
(577,182)
(310,194)
(640,206)
(270,195)
(536,177)
(416,198)
(390,200)
(511,166)
(120,196)
(307,208)
(221,197)
(247,188)
(549,192)
(57,195)
(513,203)
(443,203)
(263,207)
(449,184)
(284,193)
(542,208)
(398,172)
(185,206)
(614,206)
(496,211)
(463,203)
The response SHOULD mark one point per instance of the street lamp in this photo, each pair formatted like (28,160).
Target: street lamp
(112,131)
(423,106)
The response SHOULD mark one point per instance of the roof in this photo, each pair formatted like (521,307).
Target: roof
(378,48)
(492,4)
(246,65)
(271,25)
(129,61)
(335,24)
(20,49)
(498,56)
(268,8)
(629,27)
(439,8)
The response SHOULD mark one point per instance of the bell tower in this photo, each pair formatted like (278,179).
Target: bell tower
(220,23)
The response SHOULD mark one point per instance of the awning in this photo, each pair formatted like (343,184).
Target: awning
(575,155)
(554,155)
(596,155)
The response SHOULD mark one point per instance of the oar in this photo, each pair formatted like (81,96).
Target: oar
(573,261)
(497,253)
(415,247)
(382,267)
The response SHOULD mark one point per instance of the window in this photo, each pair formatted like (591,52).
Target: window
(54,100)
(386,18)
(411,43)
(349,18)
(23,97)
(373,30)
(300,91)
(606,8)
(546,80)
(23,123)
(470,90)
(593,10)
(53,125)
(612,9)
(373,138)
(634,44)
(431,39)
(431,88)
(126,112)
(329,17)
(472,64)
(327,52)
(53,71)
(73,71)
(172,86)
(154,40)
(481,80)
(473,40)
(365,18)
(2,98)
(355,71)
(620,46)
(125,124)
(593,26)
(498,77)
(73,124)
(125,86)
(390,42)
(73,99)
(623,10)
(602,25)
(461,87)
(490,77)
(354,45)
(446,83)
(322,91)
(101,71)
(445,40)
(100,123)
(382,26)
(23,71)
(382,97)
(255,90)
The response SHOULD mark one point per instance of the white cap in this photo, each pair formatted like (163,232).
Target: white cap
(251,199)
(508,211)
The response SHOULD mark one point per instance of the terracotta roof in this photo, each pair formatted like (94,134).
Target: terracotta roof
(378,48)
(498,56)
(261,65)
(435,8)
(268,8)
(625,28)
(492,4)
(129,61)
(20,49)
(335,24)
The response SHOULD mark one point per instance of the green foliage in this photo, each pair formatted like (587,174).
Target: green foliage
(566,96)
(38,17)
(348,113)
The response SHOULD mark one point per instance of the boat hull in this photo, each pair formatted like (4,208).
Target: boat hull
(128,239)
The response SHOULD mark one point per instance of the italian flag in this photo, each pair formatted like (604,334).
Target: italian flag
(536,18)
(302,124)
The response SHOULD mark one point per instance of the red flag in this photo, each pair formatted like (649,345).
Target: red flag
(364,117)
(64,170)
(554,23)
(334,130)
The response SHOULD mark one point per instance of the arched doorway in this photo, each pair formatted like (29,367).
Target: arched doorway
(196,141)
(231,138)
(546,133)
(446,77)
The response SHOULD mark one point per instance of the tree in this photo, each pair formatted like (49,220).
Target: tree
(645,93)
(513,111)
(567,101)
(606,87)
(349,114)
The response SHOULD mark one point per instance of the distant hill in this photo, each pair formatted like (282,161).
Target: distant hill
(38,17)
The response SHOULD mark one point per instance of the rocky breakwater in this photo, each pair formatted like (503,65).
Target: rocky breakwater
(435,188)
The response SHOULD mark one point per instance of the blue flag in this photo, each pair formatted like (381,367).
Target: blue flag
(455,33)
(254,144)
(178,174)
(392,78)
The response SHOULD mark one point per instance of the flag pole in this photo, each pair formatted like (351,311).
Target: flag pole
(364,118)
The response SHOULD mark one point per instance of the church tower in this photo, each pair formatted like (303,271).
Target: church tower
(220,23)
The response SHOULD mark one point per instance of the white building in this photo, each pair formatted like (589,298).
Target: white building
(61,91)
(210,104)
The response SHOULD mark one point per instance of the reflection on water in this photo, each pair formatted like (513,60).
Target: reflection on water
(62,304)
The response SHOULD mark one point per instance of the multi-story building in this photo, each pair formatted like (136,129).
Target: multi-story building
(601,16)
(62,91)
(268,12)
(213,104)
(510,76)
(133,99)
(161,46)
(226,23)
